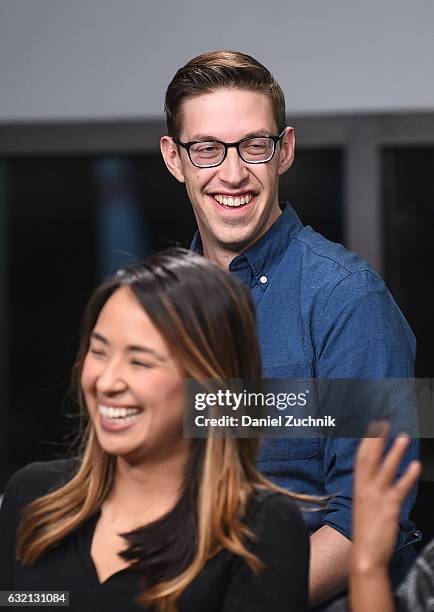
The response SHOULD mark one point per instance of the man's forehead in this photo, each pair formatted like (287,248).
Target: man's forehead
(227,114)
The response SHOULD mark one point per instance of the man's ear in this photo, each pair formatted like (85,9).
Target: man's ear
(287,149)
(171,157)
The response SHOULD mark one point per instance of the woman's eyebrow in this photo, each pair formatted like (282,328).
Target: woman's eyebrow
(145,349)
(96,336)
(132,347)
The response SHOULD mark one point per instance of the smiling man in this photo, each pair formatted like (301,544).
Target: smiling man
(321,311)
(235,202)
(228,140)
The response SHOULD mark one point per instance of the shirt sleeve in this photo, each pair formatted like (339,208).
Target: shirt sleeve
(416,593)
(362,334)
(282,545)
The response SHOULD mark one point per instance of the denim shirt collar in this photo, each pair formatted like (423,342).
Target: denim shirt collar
(256,265)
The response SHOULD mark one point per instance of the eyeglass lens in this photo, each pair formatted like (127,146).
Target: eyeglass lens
(254,150)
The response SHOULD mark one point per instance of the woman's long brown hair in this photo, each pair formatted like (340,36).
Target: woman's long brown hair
(207,320)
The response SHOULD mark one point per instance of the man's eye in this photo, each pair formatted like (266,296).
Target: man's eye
(207,149)
(255,147)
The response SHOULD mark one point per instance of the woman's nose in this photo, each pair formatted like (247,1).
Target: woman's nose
(110,380)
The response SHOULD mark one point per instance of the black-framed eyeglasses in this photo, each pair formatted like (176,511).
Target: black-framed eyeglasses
(211,153)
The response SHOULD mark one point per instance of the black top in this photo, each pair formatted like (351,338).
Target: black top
(226,584)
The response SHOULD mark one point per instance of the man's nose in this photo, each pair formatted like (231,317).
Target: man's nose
(233,170)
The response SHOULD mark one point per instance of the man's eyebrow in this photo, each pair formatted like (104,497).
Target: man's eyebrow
(205,137)
(261,132)
(209,137)
(132,347)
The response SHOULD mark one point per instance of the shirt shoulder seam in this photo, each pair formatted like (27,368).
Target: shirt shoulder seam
(350,271)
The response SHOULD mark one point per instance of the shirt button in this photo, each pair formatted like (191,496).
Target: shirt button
(263,280)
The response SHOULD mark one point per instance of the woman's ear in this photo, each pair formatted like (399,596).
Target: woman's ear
(287,149)
(171,157)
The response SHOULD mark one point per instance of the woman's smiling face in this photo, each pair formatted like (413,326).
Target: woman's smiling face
(133,389)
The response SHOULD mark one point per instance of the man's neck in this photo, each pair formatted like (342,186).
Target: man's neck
(221,257)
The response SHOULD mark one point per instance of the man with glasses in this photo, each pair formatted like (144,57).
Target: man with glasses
(321,311)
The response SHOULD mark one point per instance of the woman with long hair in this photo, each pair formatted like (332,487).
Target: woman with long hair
(143,517)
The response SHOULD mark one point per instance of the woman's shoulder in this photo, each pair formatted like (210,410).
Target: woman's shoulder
(274,511)
(45,474)
(269,500)
(39,478)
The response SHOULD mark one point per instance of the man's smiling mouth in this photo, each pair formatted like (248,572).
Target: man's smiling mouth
(233,202)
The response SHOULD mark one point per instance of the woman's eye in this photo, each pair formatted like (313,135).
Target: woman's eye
(141,364)
(96,352)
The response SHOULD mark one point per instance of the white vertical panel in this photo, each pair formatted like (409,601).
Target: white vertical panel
(363,228)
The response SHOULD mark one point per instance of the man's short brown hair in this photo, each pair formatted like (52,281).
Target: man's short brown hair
(216,69)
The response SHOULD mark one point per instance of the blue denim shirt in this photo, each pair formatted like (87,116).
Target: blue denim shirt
(322,312)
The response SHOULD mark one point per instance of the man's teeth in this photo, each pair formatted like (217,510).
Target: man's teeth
(109,412)
(229,201)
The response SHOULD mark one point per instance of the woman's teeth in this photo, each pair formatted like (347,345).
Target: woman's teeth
(229,201)
(126,414)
